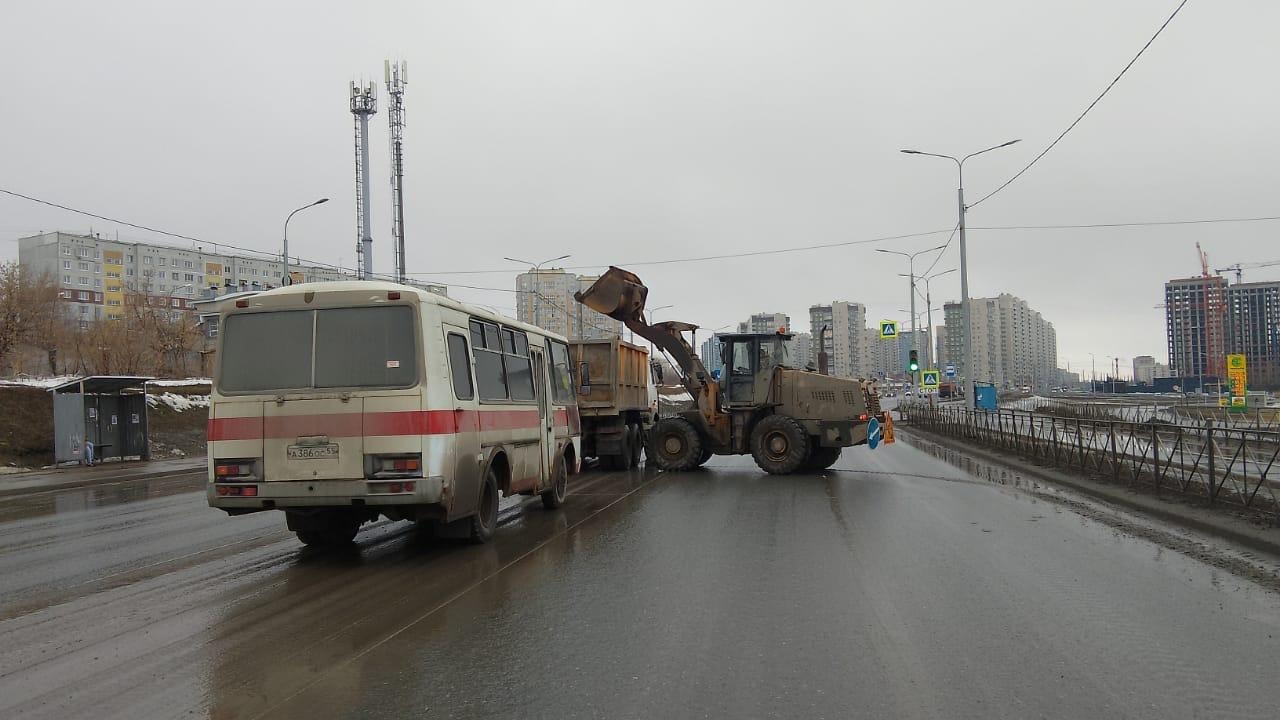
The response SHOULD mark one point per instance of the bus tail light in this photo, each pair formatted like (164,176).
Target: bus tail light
(233,470)
(395,466)
(238,490)
(383,488)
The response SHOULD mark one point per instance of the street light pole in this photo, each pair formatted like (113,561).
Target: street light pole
(970,400)
(284,277)
(651,313)
(928,303)
(537,307)
(911,288)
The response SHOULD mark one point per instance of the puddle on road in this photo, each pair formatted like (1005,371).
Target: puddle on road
(1219,555)
(70,500)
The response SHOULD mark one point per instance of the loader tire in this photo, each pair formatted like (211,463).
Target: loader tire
(779,445)
(707,454)
(676,445)
(821,458)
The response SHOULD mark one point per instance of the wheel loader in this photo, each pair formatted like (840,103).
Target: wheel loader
(789,420)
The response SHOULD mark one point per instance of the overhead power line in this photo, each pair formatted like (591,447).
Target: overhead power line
(705,258)
(100,217)
(1087,109)
(1149,223)
(938,257)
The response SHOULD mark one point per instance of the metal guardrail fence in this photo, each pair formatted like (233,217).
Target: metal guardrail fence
(1160,409)
(1218,464)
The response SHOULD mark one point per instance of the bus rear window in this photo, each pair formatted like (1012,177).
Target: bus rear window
(266,351)
(333,348)
(365,347)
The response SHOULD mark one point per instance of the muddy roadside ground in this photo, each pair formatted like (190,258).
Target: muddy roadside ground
(26,424)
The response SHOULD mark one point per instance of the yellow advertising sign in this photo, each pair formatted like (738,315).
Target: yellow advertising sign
(1238,377)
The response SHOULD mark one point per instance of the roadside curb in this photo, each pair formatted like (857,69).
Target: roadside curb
(1213,520)
(16,485)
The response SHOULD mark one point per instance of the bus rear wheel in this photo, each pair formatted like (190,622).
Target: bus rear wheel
(554,496)
(485,520)
(325,529)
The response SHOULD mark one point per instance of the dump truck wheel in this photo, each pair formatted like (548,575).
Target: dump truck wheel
(622,461)
(821,458)
(779,445)
(637,444)
(676,445)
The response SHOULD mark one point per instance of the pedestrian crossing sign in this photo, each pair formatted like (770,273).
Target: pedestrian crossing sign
(888,329)
(929,379)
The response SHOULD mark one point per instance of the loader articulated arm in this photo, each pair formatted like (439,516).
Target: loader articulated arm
(620,295)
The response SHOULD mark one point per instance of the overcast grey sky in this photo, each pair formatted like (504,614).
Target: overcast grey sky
(633,131)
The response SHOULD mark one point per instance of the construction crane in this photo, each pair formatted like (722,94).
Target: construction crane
(1239,268)
(1215,315)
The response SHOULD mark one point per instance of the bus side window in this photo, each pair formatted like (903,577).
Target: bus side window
(460,367)
(561,375)
(515,356)
(491,378)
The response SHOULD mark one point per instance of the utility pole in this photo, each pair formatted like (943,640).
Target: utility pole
(284,276)
(970,400)
(911,288)
(928,303)
(364,103)
(397,76)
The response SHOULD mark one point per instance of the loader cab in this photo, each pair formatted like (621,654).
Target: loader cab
(749,361)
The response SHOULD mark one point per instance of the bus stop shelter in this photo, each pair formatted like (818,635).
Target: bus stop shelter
(108,410)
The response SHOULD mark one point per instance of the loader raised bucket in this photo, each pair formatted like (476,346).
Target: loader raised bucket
(618,294)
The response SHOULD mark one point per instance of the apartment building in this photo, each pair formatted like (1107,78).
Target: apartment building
(1013,345)
(95,273)
(545,298)
(846,341)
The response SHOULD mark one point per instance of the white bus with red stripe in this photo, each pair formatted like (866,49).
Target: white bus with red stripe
(340,402)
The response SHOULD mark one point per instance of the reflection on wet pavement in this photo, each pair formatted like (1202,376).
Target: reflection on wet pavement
(899,584)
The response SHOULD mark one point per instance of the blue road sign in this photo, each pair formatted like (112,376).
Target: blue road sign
(873,433)
(951,370)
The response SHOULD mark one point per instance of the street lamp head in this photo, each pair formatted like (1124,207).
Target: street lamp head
(321,201)
(1010,143)
(911,152)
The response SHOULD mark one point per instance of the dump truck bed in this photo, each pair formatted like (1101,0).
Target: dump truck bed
(618,374)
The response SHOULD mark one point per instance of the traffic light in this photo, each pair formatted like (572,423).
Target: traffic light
(913,364)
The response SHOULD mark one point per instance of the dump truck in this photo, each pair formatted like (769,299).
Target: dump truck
(789,420)
(616,400)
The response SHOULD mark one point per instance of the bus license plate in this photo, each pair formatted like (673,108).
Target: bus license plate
(313,452)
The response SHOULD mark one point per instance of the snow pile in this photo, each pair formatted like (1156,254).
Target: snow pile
(180,383)
(39,382)
(179,403)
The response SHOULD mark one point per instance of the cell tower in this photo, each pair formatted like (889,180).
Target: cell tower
(364,102)
(396,76)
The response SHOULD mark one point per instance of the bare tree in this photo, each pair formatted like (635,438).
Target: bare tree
(28,308)
(171,336)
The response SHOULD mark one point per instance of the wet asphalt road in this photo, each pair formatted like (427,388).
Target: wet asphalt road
(898,585)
